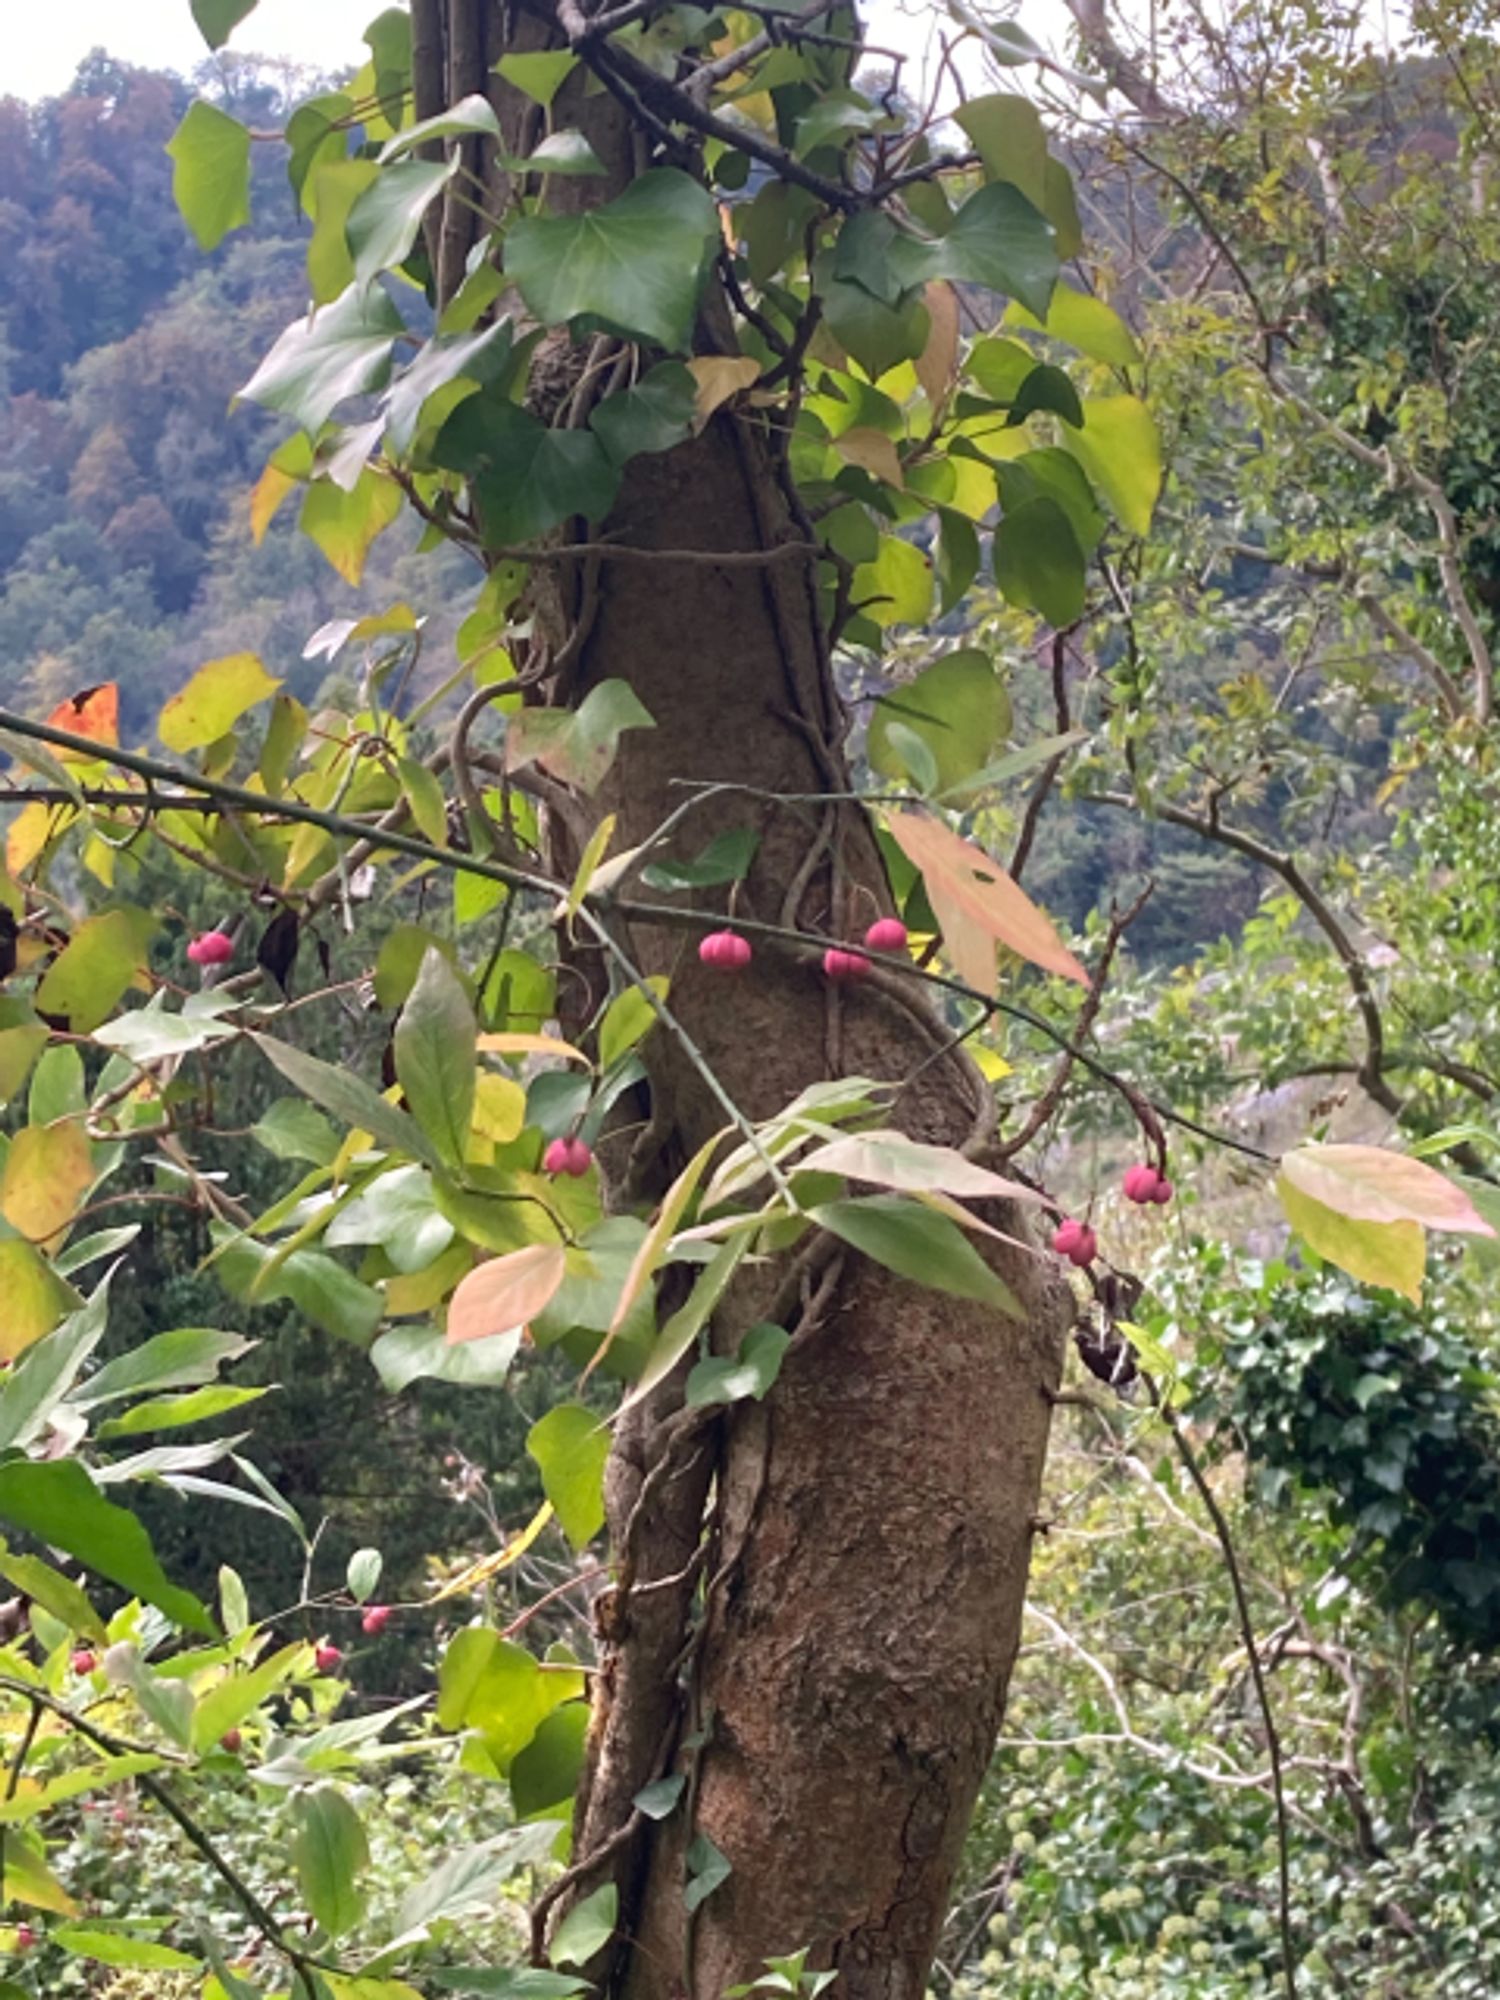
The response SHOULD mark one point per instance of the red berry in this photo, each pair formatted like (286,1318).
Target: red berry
(886,934)
(1162,1193)
(580,1159)
(725,951)
(1140,1183)
(841,966)
(558,1157)
(376,1618)
(327,1657)
(212,948)
(83,1662)
(231,1741)
(25,1937)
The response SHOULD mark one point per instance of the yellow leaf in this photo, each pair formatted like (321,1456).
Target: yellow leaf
(213,701)
(593,854)
(343,525)
(30,830)
(266,496)
(719,376)
(499,1108)
(976,892)
(35,1297)
(1120,450)
(1393,1254)
(28,1879)
(506,1292)
(104,958)
(487,1566)
(47,1171)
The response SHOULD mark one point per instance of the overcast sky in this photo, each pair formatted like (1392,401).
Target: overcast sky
(45,39)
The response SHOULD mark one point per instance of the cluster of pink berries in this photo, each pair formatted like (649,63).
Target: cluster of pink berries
(211,948)
(1146,1184)
(727,951)
(1076,1240)
(376,1618)
(567,1156)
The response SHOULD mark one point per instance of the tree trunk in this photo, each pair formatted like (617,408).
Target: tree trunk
(819,1596)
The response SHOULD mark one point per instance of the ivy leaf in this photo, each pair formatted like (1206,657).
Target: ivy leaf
(1038,563)
(1120,450)
(653,416)
(959,709)
(479,357)
(577,745)
(527,478)
(540,73)
(636,265)
(917,1243)
(1082,321)
(218,19)
(570,1445)
(1007,133)
(329,1850)
(877,335)
(586,1928)
(342,350)
(344,524)
(470,114)
(751,1372)
(211,173)
(998,240)
(383,223)
(437,1064)
(706,1868)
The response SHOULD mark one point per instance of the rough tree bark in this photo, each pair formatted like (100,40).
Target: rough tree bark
(819,1597)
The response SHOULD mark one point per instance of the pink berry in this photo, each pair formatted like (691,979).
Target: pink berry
(842,966)
(25,1937)
(83,1662)
(558,1157)
(376,1618)
(580,1159)
(1162,1193)
(886,934)
(1140,1183)
(212,948)
(1075,1241)
(327,1657)
(725,951)
(231,1741)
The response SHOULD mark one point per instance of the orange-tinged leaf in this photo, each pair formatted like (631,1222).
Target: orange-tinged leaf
(94,712)
(1393,1254)
(47,1172)
(966,882)
(506,1292)
(937,364)
(890,1159)
(1373,1184)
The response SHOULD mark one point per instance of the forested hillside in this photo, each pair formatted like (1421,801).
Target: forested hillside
(752,1254)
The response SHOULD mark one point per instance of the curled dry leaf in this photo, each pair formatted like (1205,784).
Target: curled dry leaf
(506,1292)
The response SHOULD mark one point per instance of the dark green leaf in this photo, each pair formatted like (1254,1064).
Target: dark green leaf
(436,1063)
(657,1800)
(636,265)
(653,416)
(218,19)
(527,478)
(586,1928)
(1038,563)
(917,1242)
(383,223)
(350,1099)
(998,240)
(59,1504)
(706,1868)
(329,1852)
(545,1774)
(726,858)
